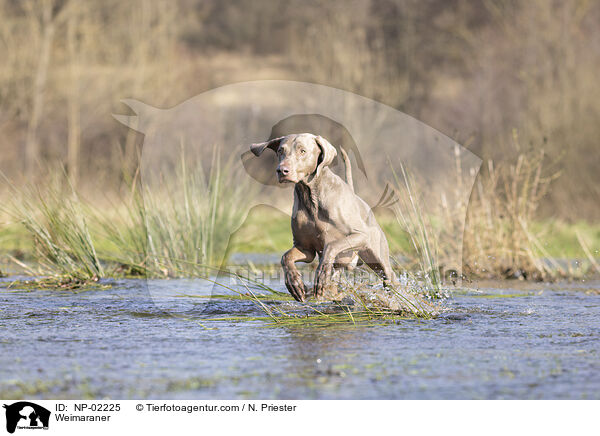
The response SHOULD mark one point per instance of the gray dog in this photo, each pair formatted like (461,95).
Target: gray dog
(328,217)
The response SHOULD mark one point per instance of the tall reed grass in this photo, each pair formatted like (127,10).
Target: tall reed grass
(411,216)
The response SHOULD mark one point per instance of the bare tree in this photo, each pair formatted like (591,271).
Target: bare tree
(39,86)
(74,118)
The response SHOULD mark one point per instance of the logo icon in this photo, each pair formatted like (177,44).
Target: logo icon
(26,415)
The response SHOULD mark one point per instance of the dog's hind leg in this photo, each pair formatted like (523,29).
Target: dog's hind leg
(379,264)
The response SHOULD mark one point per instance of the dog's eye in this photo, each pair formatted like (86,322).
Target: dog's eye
(302,151)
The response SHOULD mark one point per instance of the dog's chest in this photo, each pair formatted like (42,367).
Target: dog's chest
(308,232)
(310,226)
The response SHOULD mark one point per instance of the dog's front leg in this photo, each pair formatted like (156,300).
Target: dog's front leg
(354,241)
(293,279)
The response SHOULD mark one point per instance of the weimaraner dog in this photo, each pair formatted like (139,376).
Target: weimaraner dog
(328,218)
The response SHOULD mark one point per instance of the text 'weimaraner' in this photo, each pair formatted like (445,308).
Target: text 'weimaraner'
(328,218)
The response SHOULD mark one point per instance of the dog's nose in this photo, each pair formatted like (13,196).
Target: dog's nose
(284,171)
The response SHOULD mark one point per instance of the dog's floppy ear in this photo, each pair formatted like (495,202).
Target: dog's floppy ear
(328,152)
(273,144)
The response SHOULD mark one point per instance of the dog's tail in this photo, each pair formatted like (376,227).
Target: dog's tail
(348,168)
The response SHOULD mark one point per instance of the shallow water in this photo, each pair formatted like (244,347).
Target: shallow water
(536,341)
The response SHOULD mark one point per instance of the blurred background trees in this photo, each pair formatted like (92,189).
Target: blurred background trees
(478,71)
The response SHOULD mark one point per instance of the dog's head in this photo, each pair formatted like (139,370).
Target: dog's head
(301,156)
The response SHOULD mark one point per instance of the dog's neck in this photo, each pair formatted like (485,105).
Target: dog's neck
(306,195)
(308,190)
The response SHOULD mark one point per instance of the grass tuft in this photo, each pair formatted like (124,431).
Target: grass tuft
(182,225)
(55,218)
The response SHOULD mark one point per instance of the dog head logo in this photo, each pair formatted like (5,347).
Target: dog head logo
(224,122)
(26,415)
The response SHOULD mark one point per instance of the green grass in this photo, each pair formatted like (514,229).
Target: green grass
(256,237)
(558,238)
(15,239)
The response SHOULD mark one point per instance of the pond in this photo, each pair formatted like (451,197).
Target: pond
(498,340)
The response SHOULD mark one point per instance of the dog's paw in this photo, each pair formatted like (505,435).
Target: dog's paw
(295,285)
(323,281)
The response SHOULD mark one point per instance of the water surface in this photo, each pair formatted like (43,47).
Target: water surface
(499,341)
